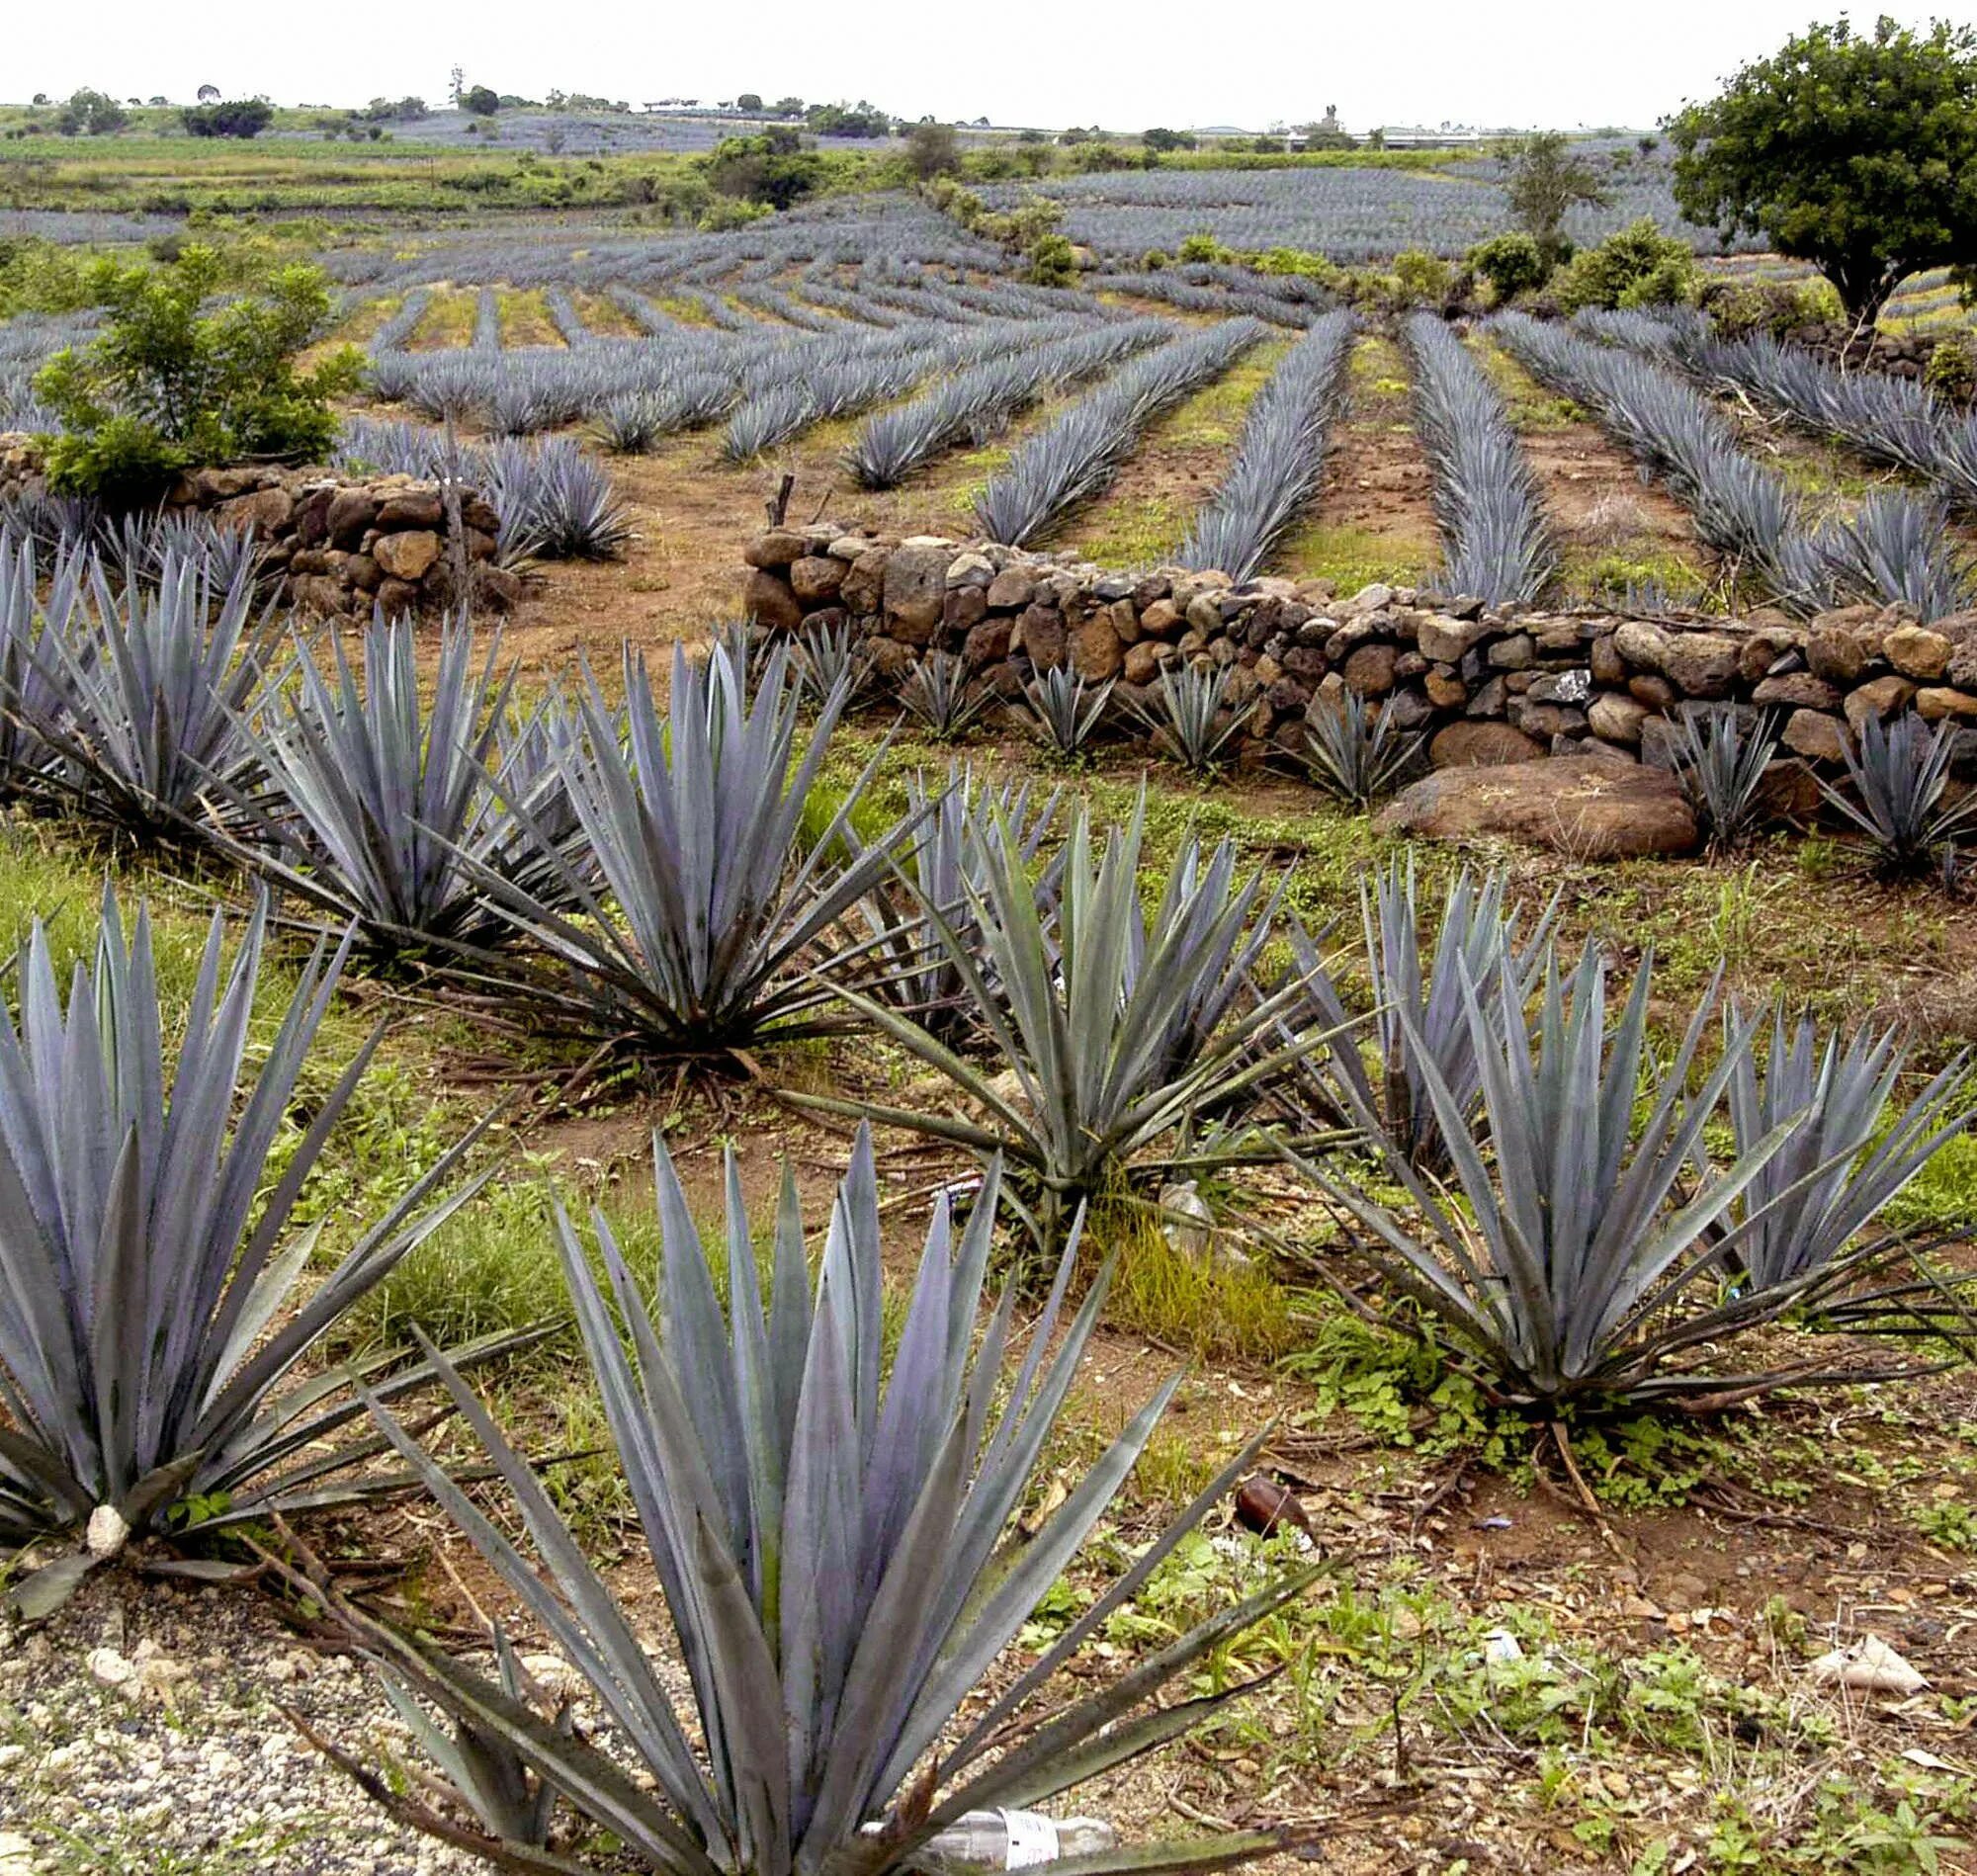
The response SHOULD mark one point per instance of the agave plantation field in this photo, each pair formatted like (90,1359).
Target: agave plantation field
(622,1249)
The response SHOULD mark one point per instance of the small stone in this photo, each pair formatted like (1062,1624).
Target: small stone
(1373,598)
(768,600)
(1935,703)
(816,578)
(1879,699)
(1796,690)
(1369,671)
(1917,652)
(110,1669)
(1095,651)
(1572,688)
(1514,653)
(1616,718)
(106,1533)
(970,569)
(1012,589)
(1815,736)
(780,546)
(407,556)
(1443,639)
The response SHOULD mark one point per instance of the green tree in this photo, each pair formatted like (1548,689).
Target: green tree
(1053,260)
(92,113)
(771,170)
(1159,139)
(749,101)
(480,100)
(932,149)
(1545,181)
(170,383)
(1856,153)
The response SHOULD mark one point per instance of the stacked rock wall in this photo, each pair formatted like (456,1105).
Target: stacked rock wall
(1484,685)
(344,544)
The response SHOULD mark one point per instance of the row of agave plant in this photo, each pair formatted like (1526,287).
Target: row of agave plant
(831,1536)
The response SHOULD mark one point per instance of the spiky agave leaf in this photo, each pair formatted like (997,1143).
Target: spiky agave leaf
(940,697)
(1419,1012)
(151,1304)
(1844,1162)
(144,698)
(387,795)
(834,1548)
(942,861)
(1118,1028)
(1190,720)
(833,657)
(1575,1268)
(1722,764)
(28,694)
(1355,752)
(1901,778)
(711,915)
(1064,711)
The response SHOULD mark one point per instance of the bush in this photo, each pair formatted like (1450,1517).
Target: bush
(1513,264)
(1638,267)
(1422,277)
(1053,260)
(480,101)
(1952,367)
(168,382)
(239,116)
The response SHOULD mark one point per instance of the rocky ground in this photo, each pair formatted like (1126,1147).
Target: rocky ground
(144,1731)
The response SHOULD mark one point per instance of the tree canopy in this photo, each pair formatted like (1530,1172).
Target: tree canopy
(1858,154)
(1545,181)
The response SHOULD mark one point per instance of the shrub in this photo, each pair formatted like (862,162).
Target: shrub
(1638,267)
(840,1554)
(1053,262)
(1513,264)
(241,116)
(1421,277)
(173,380)
(1952,367)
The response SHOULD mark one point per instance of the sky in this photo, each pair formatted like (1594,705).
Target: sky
(1047,62)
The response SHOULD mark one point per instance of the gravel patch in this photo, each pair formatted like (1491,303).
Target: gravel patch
(141,1730)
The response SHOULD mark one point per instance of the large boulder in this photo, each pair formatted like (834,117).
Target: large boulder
(1589,807)
(1481,744)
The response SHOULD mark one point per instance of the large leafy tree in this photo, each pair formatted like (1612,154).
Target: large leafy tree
(1857,153)
(1546,179)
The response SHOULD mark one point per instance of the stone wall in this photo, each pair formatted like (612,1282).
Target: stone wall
(344,544)
(1486,686)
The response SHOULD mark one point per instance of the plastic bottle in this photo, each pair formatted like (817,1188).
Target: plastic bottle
(1017,1840)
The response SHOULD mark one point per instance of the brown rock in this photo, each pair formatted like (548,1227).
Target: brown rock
(1700,663)
(405,556)
(1445,691)
(496,588)
(397,598)
(352,513)
(1587,806)
(1044,639)
(1881,699)
(1835,652)
(1470,746)
(768,600)
(963,608)
(1095,651)
(864,584)
(1012,589)
(1798,690)
(416,508)
(816,579)
(1616,717)
(1161,620)
(1654,692)
(1443,641)
(915,590)
(1144,660)
(265,511)
(1609,666)
(361,572)
(986,644)
(1815,736)
(780,546)
(1369,671)
(1936,702)
(1917,652)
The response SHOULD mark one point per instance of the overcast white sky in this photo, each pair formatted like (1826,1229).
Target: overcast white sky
(1049,62)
